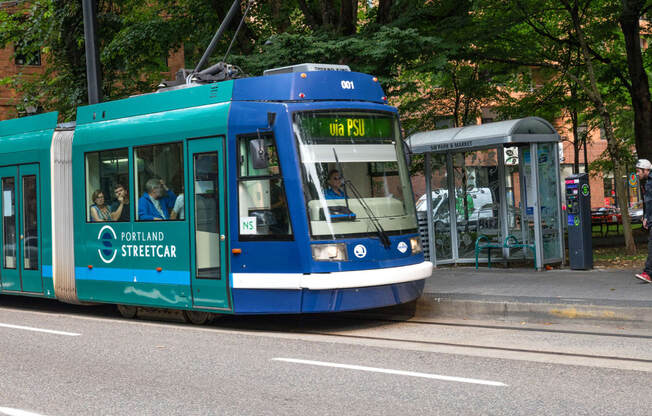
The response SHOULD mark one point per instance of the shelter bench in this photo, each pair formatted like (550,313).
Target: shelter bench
(483,243)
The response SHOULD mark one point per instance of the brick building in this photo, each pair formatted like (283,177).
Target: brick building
(13,63)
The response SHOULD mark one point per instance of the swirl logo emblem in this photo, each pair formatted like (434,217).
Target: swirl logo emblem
(107,237)
(360,251)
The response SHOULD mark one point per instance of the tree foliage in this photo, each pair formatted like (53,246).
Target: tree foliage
(436,58)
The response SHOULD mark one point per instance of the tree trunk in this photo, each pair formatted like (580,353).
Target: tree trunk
(349,17)
(576,139)
(620,171)
(327,8)
(613,146)
(312,20)
(640,90)
(383,16)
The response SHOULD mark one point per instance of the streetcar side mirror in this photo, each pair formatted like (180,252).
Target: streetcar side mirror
(258,152)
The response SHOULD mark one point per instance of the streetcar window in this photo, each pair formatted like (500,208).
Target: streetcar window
(263,208)
(354,174)
(106,172)
(159,182)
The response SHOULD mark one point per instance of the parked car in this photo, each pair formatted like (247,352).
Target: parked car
(480,204)
(612,215)
(636,213)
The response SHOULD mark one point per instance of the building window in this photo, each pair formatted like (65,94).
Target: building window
(159,182)
(107,181)
(263,208)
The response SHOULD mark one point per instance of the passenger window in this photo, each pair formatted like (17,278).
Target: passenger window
(159,182)
(107,181)
(263,208)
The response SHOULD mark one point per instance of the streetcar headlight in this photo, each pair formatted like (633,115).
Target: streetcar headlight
(329,252)
(415,243)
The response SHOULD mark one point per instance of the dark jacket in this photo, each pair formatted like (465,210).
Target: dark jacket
(647,200)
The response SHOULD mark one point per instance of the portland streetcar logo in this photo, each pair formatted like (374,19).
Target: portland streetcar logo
(107,237)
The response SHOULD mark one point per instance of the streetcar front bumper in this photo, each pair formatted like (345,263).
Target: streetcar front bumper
(328,292)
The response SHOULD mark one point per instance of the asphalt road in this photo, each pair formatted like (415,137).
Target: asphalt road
(59,359)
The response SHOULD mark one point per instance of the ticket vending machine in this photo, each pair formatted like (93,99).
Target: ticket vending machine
(578,208)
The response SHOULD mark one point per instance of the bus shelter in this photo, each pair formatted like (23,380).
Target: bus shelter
(496,180)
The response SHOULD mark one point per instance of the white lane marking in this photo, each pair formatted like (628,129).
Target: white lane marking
(17,412)
(47,331)
(397,372)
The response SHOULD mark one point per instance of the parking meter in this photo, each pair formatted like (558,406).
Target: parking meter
(578,208)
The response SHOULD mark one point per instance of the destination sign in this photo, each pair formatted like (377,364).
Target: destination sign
(354,127)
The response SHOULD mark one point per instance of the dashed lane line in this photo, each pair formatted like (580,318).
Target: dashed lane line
(16,412)
(47,331)
(395,372)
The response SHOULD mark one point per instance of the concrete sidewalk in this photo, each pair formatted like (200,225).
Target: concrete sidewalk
(602,297)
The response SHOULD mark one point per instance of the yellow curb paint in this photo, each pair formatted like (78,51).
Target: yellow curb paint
(573,313)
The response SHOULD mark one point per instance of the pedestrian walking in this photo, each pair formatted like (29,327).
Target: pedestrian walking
(643,168)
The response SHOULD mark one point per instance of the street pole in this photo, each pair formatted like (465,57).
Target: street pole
(93,76)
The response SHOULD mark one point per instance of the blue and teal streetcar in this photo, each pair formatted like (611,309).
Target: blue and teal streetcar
(285,193)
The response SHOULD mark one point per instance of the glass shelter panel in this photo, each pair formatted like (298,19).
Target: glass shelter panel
(549,201)
(527,203)
(441,217)
(477,202)
(514,198)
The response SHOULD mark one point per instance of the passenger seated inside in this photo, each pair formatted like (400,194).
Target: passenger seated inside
(334,189)
(120,208)
(99,210)
(156,202)
(177,212)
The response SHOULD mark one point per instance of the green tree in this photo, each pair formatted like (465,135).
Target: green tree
(576,40)
(638,64)
(134,42)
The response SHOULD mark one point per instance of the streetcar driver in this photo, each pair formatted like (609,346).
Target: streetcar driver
(334,189)
(156,202)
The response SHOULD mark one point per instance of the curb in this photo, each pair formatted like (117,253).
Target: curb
(434,307)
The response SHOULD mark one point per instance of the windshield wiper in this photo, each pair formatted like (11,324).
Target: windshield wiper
(382,235)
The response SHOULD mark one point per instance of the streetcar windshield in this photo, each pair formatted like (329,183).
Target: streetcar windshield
(355,178)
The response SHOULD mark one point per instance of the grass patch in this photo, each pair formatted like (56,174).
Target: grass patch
(616,258)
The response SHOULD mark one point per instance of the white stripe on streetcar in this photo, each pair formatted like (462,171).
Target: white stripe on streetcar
(47,331)
(17,412)
(396,372)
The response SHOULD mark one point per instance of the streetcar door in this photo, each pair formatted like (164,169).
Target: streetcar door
(207,209)
(20,242)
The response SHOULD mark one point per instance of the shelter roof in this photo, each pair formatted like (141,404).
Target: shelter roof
(509,132)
